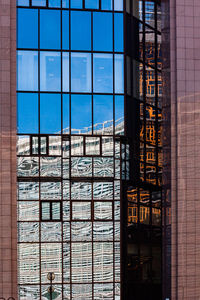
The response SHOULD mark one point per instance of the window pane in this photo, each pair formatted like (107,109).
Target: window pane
(81,210)
(119,73)
(76,3)
(65,70)
(65,108)
(54,3)
(23,2)
(119,114)
(45,211)
(56,211)
(27,113)
(50,29)
(106,4)
(65,30)
(28,191)
(80,30)
(81,72)
(118,31)
(38,2)
(81,262)
(27,28)
(27,70)
(103,114)
(118,4)
(102,31)
(28,211)
(103,73)
(50,71)
(50,113)
(65,3)
(27,167)
(81,122)
(92,4)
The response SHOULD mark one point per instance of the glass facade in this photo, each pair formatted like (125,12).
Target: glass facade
(70,120)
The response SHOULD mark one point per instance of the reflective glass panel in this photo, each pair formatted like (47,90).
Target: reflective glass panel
(65,29)
(103,231)
(118,32)
(27,166)
(92,145)
(103,114)
(65,3)
(76,145)
(66,269)
(82,291)
(50,33)
(46,214)
(50,190)
(80,72)
(81,210)
(55,145)
(92,4)
(32,290)
(76,3)
(65,72)
(119,73)
(119,115)
(66,210)
(80,30)
(103,261)
(102,210)
(103,190)
(81,231)
(57,293)
(50,166)
(23,145)
(28,191)
(118,4)
(39,2)
(28,211)
(65,168)
(50,113)
(81,166)
(50,232)
(106,4)
(27,113)
(50,71)
(28,232)
(103,167)
(81,190)
(27,77)
(81,262)
(103,73)
(54,3)
(81,122)
(23,2)
(103,291)
(27,22)
(102,31)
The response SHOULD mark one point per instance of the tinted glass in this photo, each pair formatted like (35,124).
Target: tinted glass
(27,70)
(102,31)
(50,71)
(23,2)
(39,2)
(65,30)
(50,29)
(76,3)
(27,113)
(118,4)
(103,113)
(54,3)
(118,30)
(103,73)
(50,113)
(81,113)
(119,73)
(80,72)
(92,4)
(65,70)
(106,4)
(80,30)
(27,22)
(65,3)
(119,114)
(65,113)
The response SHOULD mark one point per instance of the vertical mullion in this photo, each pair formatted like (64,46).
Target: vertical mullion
(144,88)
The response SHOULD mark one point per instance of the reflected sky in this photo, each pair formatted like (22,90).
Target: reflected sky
(50,37)
(81,111)
(80,30)
(102,31)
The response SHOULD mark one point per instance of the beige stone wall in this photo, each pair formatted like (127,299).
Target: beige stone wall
(8,208)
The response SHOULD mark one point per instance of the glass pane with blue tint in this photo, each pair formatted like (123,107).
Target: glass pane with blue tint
(50,71)
(106,4)
(50,34)
(92,4)
(65,71)
(103,73)
(38,2)
(76,3)
(65,3)
(81,114)
(27,113)
(103,114)
(119,115)
(65,30)
(27,28)
(81,72)
(54,3)
(65,109)
(102,31)
(27,70)
(118,32)
(23,2)
(119,73)
(50,113)
(80,30)
(118,4)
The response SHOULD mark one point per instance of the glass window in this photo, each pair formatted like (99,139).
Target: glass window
(76,3)
(50,29)
(103,114)
(102,31)
(65,3)
(65,30)
(92,4)
(27,70)
(65,70)
(106,4)
(80,30)
(119,114)
(119,73)
(50,113)
(103,73)
(23,2)
(27,28)
(54,3)
(50,71)
(81,72)
(65,109)
(27,113)
(38,2)
(81,114)
(118,32)
(118,4)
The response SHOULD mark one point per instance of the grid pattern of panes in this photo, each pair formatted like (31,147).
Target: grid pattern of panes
(70,102)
